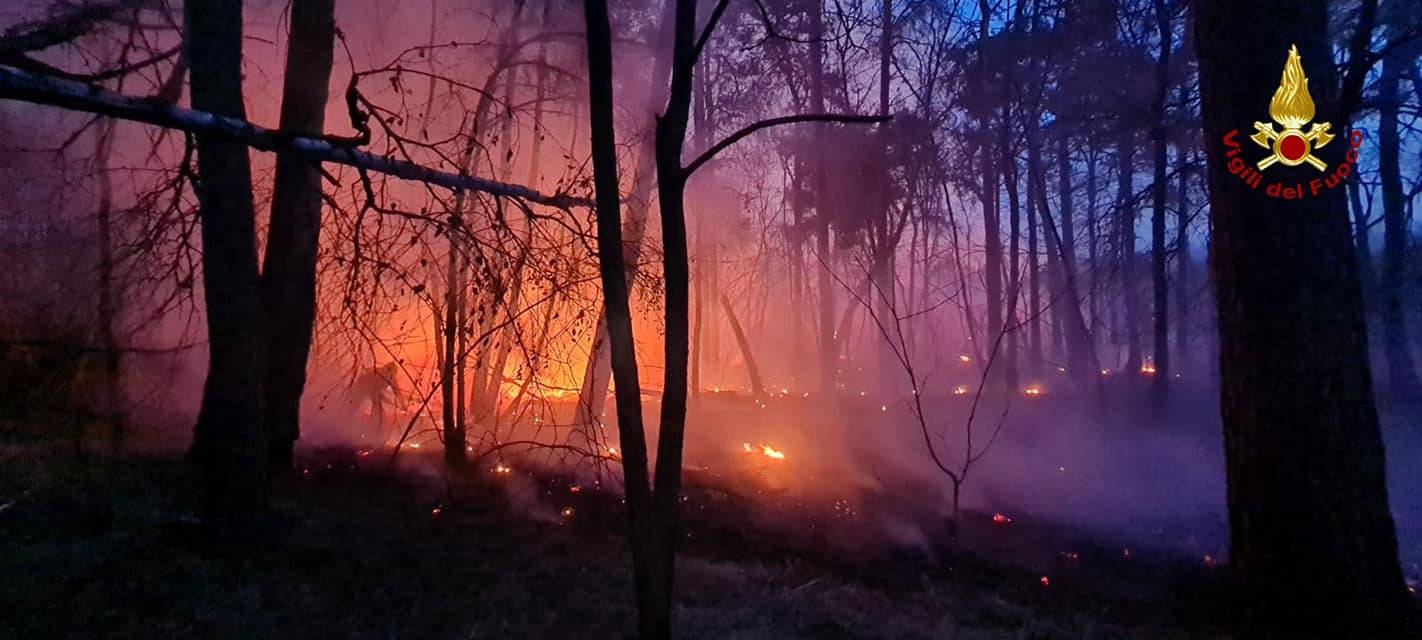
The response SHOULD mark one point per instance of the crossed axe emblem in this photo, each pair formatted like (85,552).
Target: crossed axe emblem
(1291,146)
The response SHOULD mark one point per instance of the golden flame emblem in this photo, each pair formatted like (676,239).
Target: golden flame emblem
(1292,107)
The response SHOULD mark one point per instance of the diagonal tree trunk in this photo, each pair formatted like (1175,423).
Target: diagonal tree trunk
(592,397)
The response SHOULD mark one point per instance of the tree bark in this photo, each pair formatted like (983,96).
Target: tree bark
(592,396)
(1397,348)
(108,307)
(1182,265)
(288,278)
(1126,248)
(76,96)
(752,371)
(230,437)
(1304,454)
(829,361)
(1159,282)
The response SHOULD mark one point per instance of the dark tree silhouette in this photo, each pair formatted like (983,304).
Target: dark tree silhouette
(1310,529)
(230,439)
(289,267)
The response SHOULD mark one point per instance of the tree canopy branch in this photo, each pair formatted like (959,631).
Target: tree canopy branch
(39,89)
(707,155)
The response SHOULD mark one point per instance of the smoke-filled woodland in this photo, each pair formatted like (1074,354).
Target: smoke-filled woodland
(895,319)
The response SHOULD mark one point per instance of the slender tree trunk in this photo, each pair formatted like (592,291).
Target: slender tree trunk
(1077,339)
(1159,282)
(671,434)
(1306,493)
(1093,241)
(1126,233)
(230,438)
(592,396)
(752,371)
(108,295)
(653,603)
(289,268)
(1362,236)
(453,359)
(1008,158)
(1397,348)
(1182,264)
(884,273)
(829,362)
(1034,275)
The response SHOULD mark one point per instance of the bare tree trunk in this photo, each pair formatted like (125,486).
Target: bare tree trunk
(1397,348)
(829,362)
(1159,283)
(230,438)
(289,268)
(1093,241)
(653,603)
(1034,275)
(1182,264)
(752,371)
(1126,233)
(1008,158)
(1307,494)
(592,397)
(108,299)
(992,220)
(450,395)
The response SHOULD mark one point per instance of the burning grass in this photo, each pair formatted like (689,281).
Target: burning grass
(357,553)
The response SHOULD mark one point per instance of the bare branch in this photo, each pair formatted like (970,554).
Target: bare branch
(38,89)
(775,122)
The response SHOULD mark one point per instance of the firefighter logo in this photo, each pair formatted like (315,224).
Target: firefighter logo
(1292,109)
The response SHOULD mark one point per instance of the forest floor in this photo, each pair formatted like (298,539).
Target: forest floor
(110,548)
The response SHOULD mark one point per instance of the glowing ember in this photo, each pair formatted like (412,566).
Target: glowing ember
(1209,560)
(964,359)
(884,407)
(1045,582)
(575,489)
(1105,372)
(745,446)
(1001,520)
(960,390)
(567,512)
(1071,557)
(414,445)
(1032,391)
(434,513)
(1148,369)
(502,469)
(1126,553)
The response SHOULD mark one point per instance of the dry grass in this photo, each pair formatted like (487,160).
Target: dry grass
(109,549)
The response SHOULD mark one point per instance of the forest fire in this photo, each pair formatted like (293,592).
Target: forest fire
(764,450)
(518,294)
